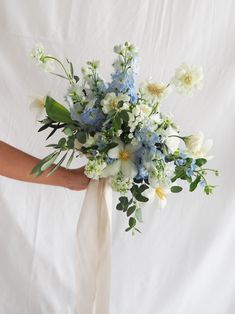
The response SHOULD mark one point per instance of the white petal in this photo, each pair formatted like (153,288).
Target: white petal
(129,169)
(132,148)
(207,146)
(112,169)
(153,182)
(114,152)
(162,203)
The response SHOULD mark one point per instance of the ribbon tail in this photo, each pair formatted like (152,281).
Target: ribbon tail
(94,250)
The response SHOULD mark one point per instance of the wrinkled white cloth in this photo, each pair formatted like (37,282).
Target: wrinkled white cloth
(94,249)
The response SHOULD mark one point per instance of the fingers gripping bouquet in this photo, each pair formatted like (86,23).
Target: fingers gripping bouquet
(123,133)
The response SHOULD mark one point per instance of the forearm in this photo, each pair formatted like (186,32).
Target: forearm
(17,164)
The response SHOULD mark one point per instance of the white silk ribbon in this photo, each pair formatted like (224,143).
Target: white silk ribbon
(94,241)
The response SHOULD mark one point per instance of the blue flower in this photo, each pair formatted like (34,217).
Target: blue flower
(123,82)
(148,138)
(93,118)
(180,162)
(190,170)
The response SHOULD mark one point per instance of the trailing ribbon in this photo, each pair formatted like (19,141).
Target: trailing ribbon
(94,249)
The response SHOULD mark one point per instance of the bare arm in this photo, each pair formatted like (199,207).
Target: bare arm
(17,165)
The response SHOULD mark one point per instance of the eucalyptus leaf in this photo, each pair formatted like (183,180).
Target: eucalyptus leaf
(131,210)
(176,189)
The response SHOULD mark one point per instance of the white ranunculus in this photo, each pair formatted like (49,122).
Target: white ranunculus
(187,78)
(124,160)
(172,141)
(111,100)
(197,147)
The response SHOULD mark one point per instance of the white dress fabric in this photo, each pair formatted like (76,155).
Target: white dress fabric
(183,262)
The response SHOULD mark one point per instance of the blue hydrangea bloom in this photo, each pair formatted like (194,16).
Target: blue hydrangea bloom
(148,138)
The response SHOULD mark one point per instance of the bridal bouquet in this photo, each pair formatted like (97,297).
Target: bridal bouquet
(122,131)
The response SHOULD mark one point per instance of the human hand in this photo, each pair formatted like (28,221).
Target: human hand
(75,179)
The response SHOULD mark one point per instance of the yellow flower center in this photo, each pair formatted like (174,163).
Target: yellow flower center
(114,103)
(160,193)
(155,89)
(124,155)
(187,79)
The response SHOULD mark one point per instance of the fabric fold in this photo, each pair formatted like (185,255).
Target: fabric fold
(94,241)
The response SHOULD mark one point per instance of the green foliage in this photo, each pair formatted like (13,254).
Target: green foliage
(201,161)
(81,136)
(194,184)
(56,111)
(176,189)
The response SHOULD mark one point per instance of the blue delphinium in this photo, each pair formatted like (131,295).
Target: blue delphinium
(123,82)
(93,118)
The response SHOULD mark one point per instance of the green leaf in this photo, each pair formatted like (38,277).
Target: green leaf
(56,111)
(47,164)
(124,115)
(62,142)
(70,142)
(57,166)
(138,214)
(176,189)
(119,207)
(70,159)
(132,222)
(81,136)
(67,131)
(141,198)
(37,169)
(194,184)
(131,210)
(45,126)
(200,161)
(117,122)
(143,187)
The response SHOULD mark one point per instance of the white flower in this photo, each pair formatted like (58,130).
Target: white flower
(110,102)
(94,168)
(172,141)
(188,78)
(197,147)
(75,89)
(124,155)
(154,92)
(39,55)
(38,105)
(158,192)
(38,52)
(121,184)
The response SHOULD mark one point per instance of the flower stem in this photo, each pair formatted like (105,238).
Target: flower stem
(63,67)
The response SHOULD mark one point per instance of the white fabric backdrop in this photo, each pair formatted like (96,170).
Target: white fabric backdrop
(183,263)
